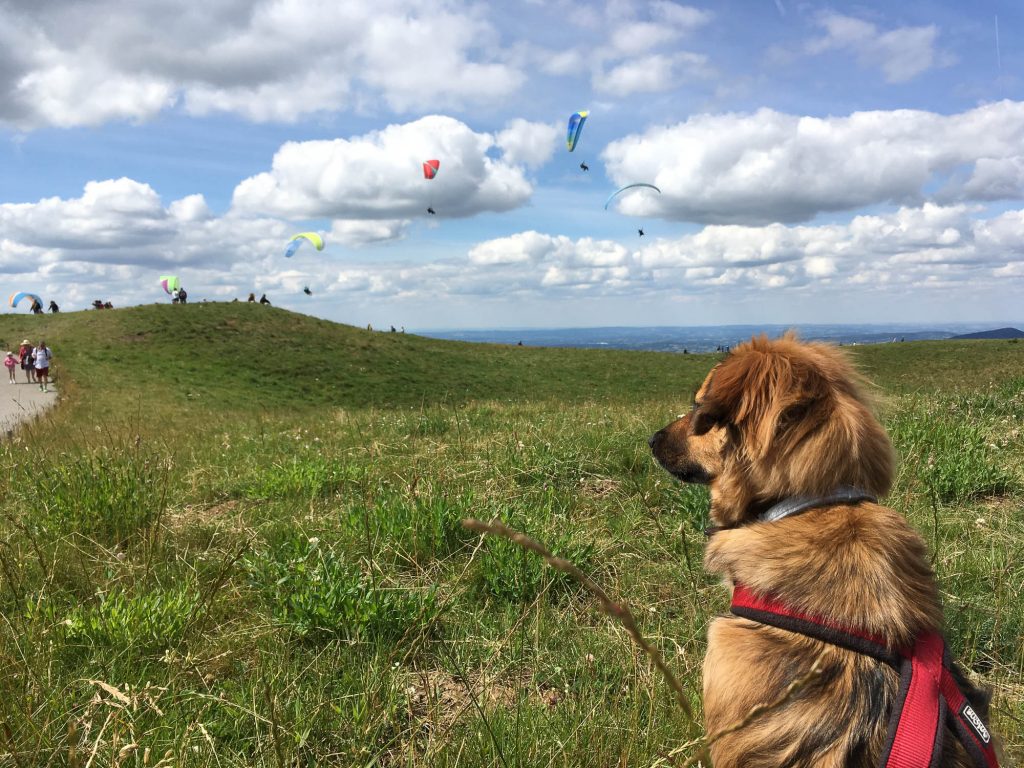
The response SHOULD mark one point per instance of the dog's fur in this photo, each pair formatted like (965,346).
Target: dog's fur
(782,418)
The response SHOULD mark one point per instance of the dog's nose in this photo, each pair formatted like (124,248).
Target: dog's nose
(656,438)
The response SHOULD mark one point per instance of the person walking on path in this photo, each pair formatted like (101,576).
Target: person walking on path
(43,355)
(25,358)
(11,363)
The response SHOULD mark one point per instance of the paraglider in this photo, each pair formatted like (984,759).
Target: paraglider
(430,169)
(641,232)
(584,167)
(620,190)
(170,283)
(296,241)
(307,291)
(575,128)
(17,297)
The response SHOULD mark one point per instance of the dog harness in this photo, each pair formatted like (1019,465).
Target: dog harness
(929,696)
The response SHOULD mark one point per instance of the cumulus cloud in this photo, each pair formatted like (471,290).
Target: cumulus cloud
(123,221)
(656,72)
(902,53)
(769,166)
(642,53)
(528,144)
(272,60)
(362,232)
(641,50)
(118,236)
(666,22)
(913,248)
(526,263)
(379,175)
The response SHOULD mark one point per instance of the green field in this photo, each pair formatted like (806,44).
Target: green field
(236,542)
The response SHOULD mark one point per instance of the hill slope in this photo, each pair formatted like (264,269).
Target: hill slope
(161,359)
(271,569)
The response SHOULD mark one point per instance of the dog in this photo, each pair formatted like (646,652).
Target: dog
(830,590)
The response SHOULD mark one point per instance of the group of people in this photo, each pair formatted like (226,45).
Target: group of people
(263,298)
(179,296)
(34,361)
(99,304)
(37,308)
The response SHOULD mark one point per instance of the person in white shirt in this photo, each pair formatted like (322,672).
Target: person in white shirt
(43,354)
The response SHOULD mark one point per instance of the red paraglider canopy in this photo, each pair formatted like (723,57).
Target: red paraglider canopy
(430,168)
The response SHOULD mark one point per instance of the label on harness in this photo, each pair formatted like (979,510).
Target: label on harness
(970,717)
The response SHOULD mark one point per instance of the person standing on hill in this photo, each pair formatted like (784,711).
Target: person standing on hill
(182,296)
(43,354)
(264,300)
(25,358)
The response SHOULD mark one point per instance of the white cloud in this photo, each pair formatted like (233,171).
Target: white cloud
(768,166)
(117,237)
(656,72)
(922,249)
(122,221)
(360,232)
(379,175)
(902,53)
(637,28)
(528,144)
(191,208)
(68,63)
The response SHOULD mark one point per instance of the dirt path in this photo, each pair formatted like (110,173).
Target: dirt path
(20,402)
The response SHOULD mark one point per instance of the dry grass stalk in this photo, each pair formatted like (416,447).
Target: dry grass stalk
(615,610)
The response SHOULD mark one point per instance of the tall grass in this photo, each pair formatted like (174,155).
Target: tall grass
(266,585)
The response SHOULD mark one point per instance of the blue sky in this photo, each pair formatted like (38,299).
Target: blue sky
(817,163)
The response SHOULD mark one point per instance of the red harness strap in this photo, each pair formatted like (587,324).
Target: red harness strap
(929,694)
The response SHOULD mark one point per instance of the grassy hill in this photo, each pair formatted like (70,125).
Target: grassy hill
(237,355)
(237,542)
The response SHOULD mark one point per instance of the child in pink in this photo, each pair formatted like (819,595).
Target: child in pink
(11,362)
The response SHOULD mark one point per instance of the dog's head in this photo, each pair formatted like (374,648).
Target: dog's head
(777,418)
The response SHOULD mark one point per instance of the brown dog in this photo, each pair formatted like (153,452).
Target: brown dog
(794,456)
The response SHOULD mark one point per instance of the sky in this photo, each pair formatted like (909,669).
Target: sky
(816,163)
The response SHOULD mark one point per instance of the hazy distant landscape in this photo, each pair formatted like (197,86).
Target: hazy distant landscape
(708,338)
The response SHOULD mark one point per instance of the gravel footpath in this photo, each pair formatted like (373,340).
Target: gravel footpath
(20,402)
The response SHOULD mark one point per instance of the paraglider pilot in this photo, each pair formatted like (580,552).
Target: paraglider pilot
(53,307)
(431,211)
(307,291)
(37,308)
(641,232)
(584,167)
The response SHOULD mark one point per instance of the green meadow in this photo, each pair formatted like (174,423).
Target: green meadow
(237,542)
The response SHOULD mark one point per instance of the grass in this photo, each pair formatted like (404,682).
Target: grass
(237,542)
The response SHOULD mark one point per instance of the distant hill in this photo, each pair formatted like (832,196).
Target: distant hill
(998,333)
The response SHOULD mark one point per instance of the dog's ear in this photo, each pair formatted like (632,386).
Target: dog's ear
(761,393)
